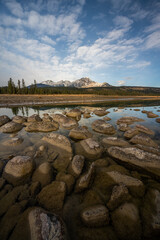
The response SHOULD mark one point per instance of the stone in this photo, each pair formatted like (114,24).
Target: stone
(18,170)
(131,133)
(2,182)
(52,196)
(102,127)
(100,112)
(13,141)
(35,188)
(119,195)
(95,216)
(86,115)
(114,141)
(65,122)
(106,119)
(89,148)
(144,140)
(4,119)
(151,214)
(2,164)
(34,118)
(85,180)
(68,179)
(137,159)
(19,119)
(43,126)
(43,174)
(129,120)
(144,129)
(126,222)
(76,166)
(148,149)
(100,163)
(152,115)
(75,113)
(61,163)
(158,120)
(58,140)
(136,109)
(46,118)
(123,127)
(11,127)
(80,133)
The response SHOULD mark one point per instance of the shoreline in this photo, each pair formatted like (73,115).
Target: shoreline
(7,100)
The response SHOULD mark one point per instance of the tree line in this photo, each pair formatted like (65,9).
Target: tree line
(21,88)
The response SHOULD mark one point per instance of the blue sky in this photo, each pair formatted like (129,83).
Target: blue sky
(114,41)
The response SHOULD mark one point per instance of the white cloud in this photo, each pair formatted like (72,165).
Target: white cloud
(48,40)
(122,21)
(121,82)
(14,7)
(153,40)
(140,64)
(155,24)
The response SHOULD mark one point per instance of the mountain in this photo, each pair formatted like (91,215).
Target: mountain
(79,83)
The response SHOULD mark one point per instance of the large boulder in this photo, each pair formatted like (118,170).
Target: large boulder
(129,120)
(43,126)
(114,141)
(65,122)
(43,174)
(100,112)
(18,170)
(34,118)
(68,179)
(89,148)
(11,127)
(137,159)
(102,127)
(75,113)
(76,166)
(80,133)
(19,119)
(95,216)
(126,222)
(144,140)
(4,119)
(52,196)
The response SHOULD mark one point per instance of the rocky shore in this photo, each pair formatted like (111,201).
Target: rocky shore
(92,185)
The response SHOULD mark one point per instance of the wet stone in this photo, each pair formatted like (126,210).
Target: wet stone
(76,165)
(123,127)
(75,113)
(80,133)
(152,115)
(4,119)
(131,133)
(129,120)
(102,127)
(106,119)
(34,118)
(86,115)
(158,120)
(148,149)
(144,129)
(44,126)
(13,141)
(11,127)
(2,182)
(100,112)
(114,141)
(68,179)
(144,140)
(19,119)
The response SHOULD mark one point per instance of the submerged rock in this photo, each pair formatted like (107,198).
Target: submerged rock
(4,119)
(43,126)
(106,119)
(131,133)
(68,179)
(129,120)
(11,127)
(137,159)
(102,127)
(95,216)
(158,120)
(13,141)
(80,133)
(123,127)
(76,166)
(152,115)
(18,170)
(114,141)
(144,140)
(144,129)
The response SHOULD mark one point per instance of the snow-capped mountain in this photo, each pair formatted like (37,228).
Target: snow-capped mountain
(80,83)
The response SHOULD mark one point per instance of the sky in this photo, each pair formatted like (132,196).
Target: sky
(113,41)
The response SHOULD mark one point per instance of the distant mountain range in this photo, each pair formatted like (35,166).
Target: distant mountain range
(80,83)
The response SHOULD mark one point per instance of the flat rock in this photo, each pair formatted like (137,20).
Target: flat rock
(65,122)
(4,119)
(144,140)
(158,120)
(137,159)
(68,179)
(2,182)
(95,216)
(18,170)
(106,118)
(152,115)
(80,133)
(43,126)
(46,118)
(144,129)
(89,148)
(13,141)
(11,127)
(86,115)
(19,119)
(52,196)
(148,149)
(75,113)
(126,222)
(119,195)
(34,118)
(102,127)
(129,120)
(131,133)
(114,141)
(100,112)
(58,140)
(123,127)
(76,166)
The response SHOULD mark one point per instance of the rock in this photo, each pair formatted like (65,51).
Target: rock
(4,119)
(86,115)
(149,149)
(2,182)
(119,195)
(144,111)
(151,115)
(13,141)
(158,120)
(46,118)
(58,140)
(52,196)
(11,127)
(114,141)
(136,109)
(131,133)
(60,118)
(144,129)
(135,186)
(76,166)
(144,140)
(34,188)
(100,112)
(43,174)
(61,163)
(18,170)
(95,216)
(85,180)
(89,148)
(65,122)
(129,120)
(123,127)
(151,214)
(44,126)
(80,133)
(2,164)
(137,159)
(34,118)
(100,163)
(9,199)
(126,222)
(102,127)
(75,113)
(68,179)
(19,119)
(106,119)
